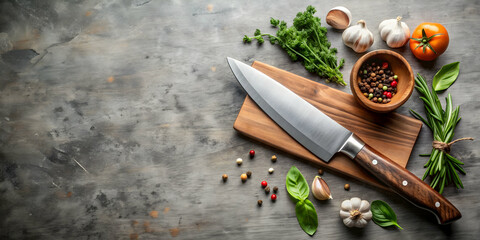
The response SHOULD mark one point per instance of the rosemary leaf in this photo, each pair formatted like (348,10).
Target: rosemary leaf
(441,166)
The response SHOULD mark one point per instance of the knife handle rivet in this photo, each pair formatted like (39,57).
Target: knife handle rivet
(437,204)
(374,162)
(404,182)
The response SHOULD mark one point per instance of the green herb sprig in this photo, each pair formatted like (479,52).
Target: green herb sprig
(297,188)
(441,166)
(306,41)
(383,215)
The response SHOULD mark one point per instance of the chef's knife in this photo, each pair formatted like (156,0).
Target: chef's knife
(324,137)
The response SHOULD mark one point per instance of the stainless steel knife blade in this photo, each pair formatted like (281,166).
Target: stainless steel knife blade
(314,130)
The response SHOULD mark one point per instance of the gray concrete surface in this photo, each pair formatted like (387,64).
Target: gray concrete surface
(116,121)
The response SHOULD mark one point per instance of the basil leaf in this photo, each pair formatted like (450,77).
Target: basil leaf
(297,186)
(306,216)
(446,76)
(383,215)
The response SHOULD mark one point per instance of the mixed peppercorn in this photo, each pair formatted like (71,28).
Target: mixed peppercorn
(378,82)
(246,175)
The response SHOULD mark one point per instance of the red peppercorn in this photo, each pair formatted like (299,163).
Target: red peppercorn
(385,65)
(264,183)
(389,95)
(393,84)
(385,93)
(252,153)
(273,197)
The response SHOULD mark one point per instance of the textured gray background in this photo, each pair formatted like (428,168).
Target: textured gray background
(112,109)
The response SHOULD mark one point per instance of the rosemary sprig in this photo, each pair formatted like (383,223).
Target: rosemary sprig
(441,166)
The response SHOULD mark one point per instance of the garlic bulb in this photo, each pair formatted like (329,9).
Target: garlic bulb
(355,212)
(394,32)
(320,189)
(339,17)
(358,37)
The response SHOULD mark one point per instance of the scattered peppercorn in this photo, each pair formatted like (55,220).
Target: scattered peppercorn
(243,177)
(259,202)
(264,184)
(375,82)
(273,197)
(252,153)
(320,171)
(270,170)
(267,190)
(274,158)
(347,186)
(224,177)
(249,174)
(275,189)
(239,161)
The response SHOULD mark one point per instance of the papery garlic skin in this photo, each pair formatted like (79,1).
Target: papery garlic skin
(355,212)
(320,189)
(358,37)
(334,17)
(394,32)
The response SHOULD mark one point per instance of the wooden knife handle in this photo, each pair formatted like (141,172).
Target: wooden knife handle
(407,184)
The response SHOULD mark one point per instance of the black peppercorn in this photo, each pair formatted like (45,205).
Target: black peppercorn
(267,190)
(249,173)
(259,202)
(275,189)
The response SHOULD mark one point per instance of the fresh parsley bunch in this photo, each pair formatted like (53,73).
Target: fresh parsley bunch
(306,41)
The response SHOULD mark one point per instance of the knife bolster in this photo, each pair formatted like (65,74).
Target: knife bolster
(352,146)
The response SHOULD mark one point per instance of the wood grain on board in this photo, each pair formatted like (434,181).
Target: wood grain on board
(391,134)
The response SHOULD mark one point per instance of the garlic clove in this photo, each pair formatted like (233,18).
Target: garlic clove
(367,215)
(320,189)
(348,222)
(355,202)
(344,214)
(364,206)
(346,206)
(339,17)
(360,223)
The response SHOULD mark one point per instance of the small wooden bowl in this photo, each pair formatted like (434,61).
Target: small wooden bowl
(399,66)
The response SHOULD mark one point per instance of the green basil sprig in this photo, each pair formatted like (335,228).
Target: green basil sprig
(297,188)
(446,76)
(383,215)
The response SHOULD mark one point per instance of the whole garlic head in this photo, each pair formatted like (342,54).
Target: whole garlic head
(395,32)
(358,37)
(355,212)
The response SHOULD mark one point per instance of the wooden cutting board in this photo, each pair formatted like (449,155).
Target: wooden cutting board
(391,134)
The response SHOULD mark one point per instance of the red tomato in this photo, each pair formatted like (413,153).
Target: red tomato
(429,40)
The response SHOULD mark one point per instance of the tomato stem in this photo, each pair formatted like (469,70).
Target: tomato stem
(425,41)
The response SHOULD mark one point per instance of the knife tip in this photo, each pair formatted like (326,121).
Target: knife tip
(230,60)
